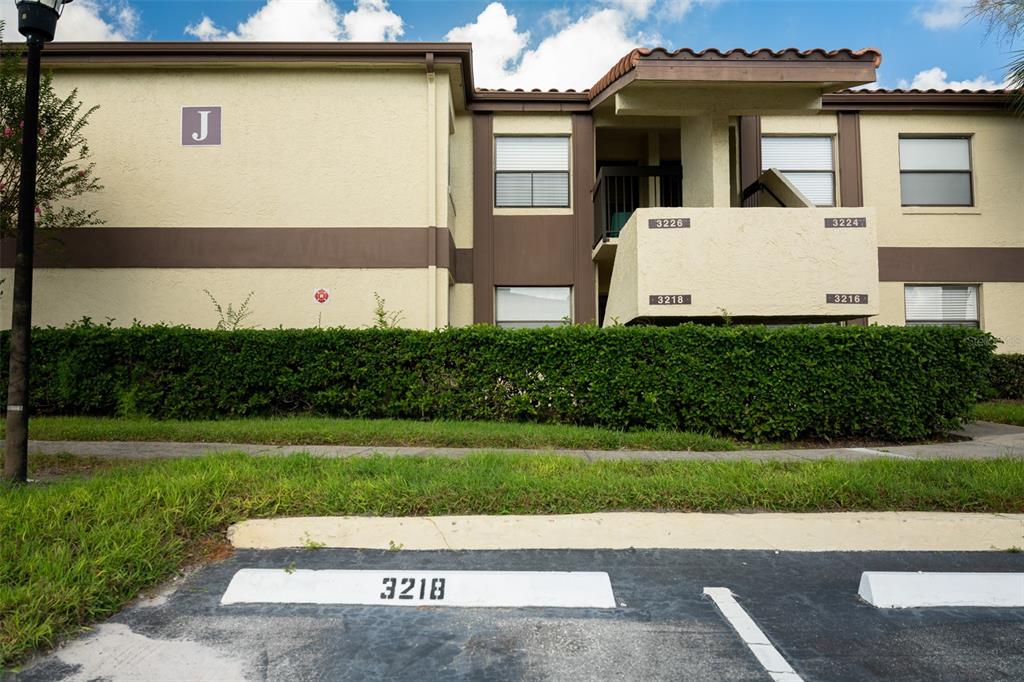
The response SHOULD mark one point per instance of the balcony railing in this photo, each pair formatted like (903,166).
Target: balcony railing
(621,190)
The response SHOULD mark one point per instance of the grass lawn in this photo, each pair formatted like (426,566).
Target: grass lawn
(383,432)
(1002,411)
(77,547)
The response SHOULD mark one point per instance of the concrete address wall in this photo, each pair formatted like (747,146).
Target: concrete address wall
(769,262)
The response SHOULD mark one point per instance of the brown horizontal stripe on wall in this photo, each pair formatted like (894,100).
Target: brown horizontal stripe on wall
(950,264)
(238,247)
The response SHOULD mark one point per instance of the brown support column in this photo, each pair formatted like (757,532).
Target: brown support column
(851,183)
(750,156)
(483,218)
(584,281)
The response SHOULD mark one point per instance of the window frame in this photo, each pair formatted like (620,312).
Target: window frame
(968,137)
(561,322)
(832,149)
(976,322)
(531,173)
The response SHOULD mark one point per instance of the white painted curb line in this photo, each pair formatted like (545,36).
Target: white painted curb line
(767,655)
(494,589)
(899,590)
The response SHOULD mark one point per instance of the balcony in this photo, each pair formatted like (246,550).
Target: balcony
(621,190)
(748,264)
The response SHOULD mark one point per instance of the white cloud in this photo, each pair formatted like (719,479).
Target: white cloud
(279,20)
(936,78)
(82,20)
(942,14)
(556,18)
(496,44)
(637,8)
(578,55)
(575,56)
(205,29)
(308,20)
(371,20)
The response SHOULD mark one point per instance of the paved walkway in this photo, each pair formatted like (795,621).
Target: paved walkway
(985,440)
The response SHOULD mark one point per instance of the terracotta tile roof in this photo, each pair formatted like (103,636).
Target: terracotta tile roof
(634,57)
(554,91)
(931,91)
(629,62)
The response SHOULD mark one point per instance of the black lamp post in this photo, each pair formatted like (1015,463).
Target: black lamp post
(37,21)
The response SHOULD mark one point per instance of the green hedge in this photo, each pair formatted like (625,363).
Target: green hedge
(747,381)
(1008,376)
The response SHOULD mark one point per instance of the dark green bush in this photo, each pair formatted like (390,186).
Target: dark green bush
(1007,376)
(752,382)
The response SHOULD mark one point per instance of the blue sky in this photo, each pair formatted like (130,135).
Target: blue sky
(568,44)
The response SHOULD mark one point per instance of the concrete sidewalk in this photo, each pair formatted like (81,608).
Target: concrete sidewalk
(986,440)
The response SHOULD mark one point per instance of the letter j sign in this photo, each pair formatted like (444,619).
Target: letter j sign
(200,126)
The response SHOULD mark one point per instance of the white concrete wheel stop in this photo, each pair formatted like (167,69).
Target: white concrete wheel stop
(904,590)
(493,589)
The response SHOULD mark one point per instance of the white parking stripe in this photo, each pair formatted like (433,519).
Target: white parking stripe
(767,655)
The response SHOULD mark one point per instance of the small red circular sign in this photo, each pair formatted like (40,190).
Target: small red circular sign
(321,295)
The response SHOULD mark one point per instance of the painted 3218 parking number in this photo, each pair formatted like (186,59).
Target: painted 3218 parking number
(406,588)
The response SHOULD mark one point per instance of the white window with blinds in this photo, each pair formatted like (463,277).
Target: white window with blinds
(807,162)
(936,171)
(531,171)
(941,304)
(518,307)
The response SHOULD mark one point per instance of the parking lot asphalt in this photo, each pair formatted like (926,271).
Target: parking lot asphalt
(664,626)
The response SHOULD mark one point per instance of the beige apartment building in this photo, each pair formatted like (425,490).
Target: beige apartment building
(683,186)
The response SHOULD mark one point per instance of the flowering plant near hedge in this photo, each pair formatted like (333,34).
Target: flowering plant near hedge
(751,382)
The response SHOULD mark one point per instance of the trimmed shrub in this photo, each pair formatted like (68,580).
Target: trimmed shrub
(751,382)
(1007,376)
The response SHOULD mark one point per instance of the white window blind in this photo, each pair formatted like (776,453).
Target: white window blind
(935,154)
(531,171)
(935,171)
(806,162)
(532,306)
(531,153)
(948,304)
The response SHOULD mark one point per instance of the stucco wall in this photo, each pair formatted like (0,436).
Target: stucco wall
(319,147)
(460,313)
(281,297)
(766,262)
(997,150)
(520,123)
(823,123)
(1001,308)
(704,150)
(461,150)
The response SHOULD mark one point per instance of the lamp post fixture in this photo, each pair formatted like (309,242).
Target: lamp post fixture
(37,21)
